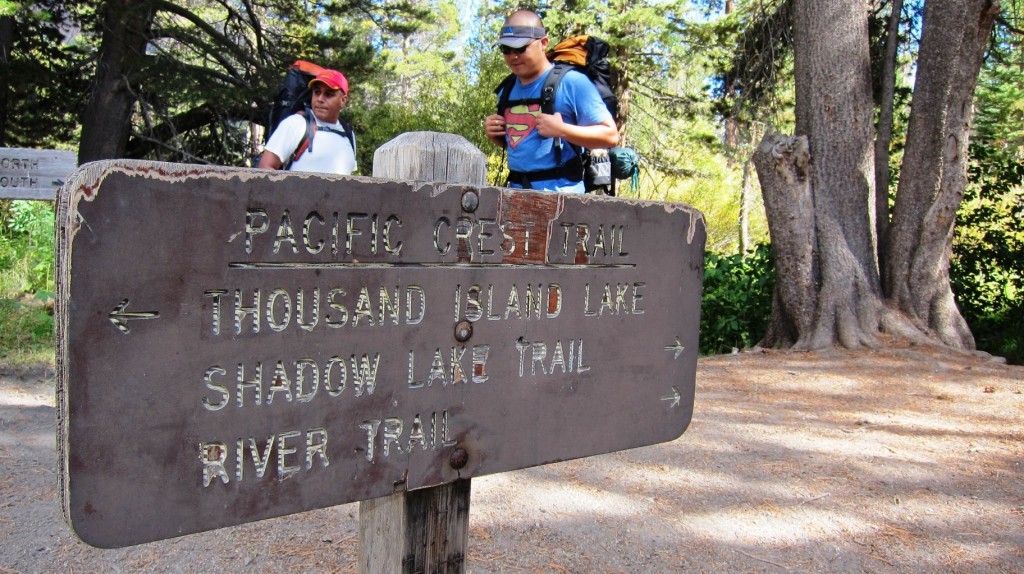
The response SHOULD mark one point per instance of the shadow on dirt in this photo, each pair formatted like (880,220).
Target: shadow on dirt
(897,461)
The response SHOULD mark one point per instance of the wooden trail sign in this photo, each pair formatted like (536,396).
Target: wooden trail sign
(240,344)
(34,173)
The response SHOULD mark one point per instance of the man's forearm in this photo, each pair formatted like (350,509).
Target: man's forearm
(600,136)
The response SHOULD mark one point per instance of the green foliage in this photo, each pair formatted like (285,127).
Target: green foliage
(987,272)
(43,85)
(987,269)
(736,304)
(26,249)
(419,80)
(26,281)
(750,52)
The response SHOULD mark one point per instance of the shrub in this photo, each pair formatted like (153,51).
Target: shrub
(26,249)
(26,281)
(987,268)
(737,299)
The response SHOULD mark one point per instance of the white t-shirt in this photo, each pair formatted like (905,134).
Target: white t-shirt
(330,152)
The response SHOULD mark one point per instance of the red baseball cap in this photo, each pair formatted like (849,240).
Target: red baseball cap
(333,79)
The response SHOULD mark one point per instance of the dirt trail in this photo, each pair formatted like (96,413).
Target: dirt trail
(900,460)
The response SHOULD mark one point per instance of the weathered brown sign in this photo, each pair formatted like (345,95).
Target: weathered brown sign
(34,173)
(239,344)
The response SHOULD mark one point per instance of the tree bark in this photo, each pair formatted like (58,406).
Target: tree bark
(744,222)
(783,168)
(106,123)
(834,111)
(934,169)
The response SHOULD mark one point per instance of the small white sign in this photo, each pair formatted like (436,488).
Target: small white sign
(34,173)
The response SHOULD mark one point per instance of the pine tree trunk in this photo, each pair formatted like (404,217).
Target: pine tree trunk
(744,223)
(106,123)
(934,171)
(836,271)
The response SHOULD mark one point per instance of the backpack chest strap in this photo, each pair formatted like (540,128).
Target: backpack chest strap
(312,127)
(333,130)
(572,170)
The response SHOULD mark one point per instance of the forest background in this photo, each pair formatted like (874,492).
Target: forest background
(700,81)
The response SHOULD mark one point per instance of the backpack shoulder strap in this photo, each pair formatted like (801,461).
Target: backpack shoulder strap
(350,134)
(551,84)
(503,90)
(547,98)
(306,143)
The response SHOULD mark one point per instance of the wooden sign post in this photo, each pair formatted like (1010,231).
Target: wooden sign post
(239,344)
(422,530)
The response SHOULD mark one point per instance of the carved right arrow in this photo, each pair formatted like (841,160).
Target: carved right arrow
(674,397)
(678,348)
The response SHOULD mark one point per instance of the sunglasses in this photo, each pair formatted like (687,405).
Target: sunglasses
(506,50)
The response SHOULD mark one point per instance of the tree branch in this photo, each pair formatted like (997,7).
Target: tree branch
(225,42)
(1006,24)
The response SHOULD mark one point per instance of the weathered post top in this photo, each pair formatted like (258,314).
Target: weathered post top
(430,156)
(239,344)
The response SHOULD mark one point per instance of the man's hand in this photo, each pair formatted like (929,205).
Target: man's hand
(494,127)
(551,125)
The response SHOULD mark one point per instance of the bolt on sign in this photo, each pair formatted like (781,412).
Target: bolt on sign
(238,344)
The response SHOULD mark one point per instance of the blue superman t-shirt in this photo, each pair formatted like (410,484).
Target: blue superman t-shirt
(579,103)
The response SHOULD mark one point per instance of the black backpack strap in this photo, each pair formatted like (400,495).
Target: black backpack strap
(547,98)
(306,144)
(346,132)
(572,170)
(551,84)
(547,94)
(350,134)
(503,90)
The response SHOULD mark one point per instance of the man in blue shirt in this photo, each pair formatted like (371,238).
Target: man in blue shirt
(543,149)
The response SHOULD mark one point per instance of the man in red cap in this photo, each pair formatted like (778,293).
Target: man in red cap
(335,143)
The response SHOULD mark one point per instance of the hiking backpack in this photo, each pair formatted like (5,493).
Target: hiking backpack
(295,97)
(588,55)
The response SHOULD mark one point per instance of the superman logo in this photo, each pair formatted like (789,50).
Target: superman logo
(520,120)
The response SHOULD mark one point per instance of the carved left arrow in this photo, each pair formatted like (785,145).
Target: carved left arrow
(119,317)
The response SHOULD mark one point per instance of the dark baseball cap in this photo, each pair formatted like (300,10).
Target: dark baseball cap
(519,36)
